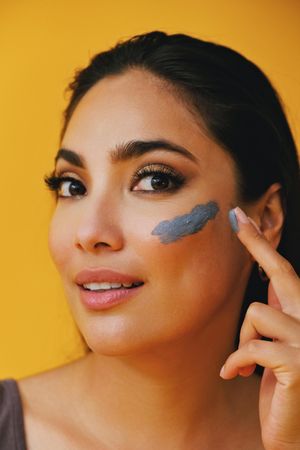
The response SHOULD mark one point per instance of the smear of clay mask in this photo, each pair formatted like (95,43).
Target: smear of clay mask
(172,230)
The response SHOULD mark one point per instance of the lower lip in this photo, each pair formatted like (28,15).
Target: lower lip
(103,300)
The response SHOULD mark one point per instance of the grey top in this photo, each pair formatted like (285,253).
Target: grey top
(12,431)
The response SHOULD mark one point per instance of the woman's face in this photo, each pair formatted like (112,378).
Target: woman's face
(192,271)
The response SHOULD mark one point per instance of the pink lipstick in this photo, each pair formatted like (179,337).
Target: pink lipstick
(104,288)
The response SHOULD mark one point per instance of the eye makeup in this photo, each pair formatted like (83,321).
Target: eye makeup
(164,179)
(161,176)
(175,229)
(54,183)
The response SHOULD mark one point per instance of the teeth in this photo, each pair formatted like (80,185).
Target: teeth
(107,285)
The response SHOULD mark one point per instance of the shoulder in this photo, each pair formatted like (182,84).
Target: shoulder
(48,400)
(41,389)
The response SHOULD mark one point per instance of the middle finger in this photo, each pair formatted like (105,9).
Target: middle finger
(263,320)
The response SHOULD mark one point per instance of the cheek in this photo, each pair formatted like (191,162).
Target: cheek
(196,266)
(59,236)
(183,259)
(189,280)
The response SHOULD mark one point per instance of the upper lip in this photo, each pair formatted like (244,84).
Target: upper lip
(100,275)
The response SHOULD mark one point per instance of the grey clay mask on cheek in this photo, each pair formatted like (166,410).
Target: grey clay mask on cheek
(172,230)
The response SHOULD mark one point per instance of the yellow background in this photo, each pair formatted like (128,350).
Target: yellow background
(41,43)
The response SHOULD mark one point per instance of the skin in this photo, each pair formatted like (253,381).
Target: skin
(152,378)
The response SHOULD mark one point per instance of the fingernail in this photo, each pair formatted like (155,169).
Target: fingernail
(233,220)
(222,371)
(241,216)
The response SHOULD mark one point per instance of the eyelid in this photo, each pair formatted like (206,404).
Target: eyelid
(156,166)
(147,169)
(65,173)
(150,169)
(55,183)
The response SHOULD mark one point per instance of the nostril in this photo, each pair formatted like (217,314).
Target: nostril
(101,244)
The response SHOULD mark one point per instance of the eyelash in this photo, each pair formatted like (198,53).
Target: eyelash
(54,183)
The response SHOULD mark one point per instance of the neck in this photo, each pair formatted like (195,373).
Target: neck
(169,394)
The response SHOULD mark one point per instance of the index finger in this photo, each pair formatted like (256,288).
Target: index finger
(284,279)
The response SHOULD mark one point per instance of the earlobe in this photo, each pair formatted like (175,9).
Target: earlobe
(271,214)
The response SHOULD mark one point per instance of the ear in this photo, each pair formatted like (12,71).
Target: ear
(268,213)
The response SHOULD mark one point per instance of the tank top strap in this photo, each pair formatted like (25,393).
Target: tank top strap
(12,431)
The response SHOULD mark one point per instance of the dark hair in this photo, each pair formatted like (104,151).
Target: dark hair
(239,107)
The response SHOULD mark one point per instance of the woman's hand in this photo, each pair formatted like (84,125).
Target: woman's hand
(279,400)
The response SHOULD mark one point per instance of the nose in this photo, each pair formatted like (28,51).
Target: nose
(98,227)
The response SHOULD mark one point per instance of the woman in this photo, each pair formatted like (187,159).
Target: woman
(164,136)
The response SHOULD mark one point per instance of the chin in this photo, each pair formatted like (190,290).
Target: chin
(120,341)
(113,342)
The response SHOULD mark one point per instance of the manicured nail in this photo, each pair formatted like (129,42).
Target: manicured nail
(222,371)
(233,220)
(241,216)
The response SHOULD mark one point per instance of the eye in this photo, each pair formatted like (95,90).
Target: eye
(70,188)
(157,181)
(157,178)
(65,186)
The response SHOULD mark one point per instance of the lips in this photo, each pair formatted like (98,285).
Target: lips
(98,300)
(100,275)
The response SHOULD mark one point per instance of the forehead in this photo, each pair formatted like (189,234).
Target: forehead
(137,106)
(133,105)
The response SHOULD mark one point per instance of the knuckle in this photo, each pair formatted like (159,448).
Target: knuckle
(254,309)
(253,346)
(293,379)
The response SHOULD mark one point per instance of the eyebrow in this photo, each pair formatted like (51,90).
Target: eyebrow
(127,151)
